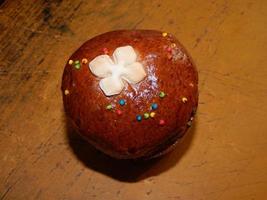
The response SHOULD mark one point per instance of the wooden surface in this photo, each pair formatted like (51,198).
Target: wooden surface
(222,157)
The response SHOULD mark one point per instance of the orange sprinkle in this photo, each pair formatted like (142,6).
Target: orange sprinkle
(84,61)
(169,56)
(173,45)
(164,34)
(184,99)
(66,92)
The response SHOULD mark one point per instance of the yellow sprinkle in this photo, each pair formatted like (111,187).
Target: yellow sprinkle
(109,107)
(84,60)
(70,62)
(152,114)
(184,99)
(66,92)
(164,34)
(146,115)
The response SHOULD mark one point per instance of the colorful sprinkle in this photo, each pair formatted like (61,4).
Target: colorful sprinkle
(165,47)
(184,100)
(77,64)
(161,122)
(164,34)
(162,94)
(173,45)
(189,123)
(146,115)
(152,114)
(154,106)
(139,118)
(66,92)
(119,112)
(70,62)
(84,61)
(169,49)
(191,84)
(105,50)
(169,56)
(109,107)
(122,102)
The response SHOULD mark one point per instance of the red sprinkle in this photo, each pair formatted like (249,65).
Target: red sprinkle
(169,49)
(161,122)
(119,112)
(105,50)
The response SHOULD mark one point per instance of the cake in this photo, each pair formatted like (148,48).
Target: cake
(132,94)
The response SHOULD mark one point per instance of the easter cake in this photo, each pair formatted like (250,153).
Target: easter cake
(131,93)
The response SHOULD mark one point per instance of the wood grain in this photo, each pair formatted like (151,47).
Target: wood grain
(224,154)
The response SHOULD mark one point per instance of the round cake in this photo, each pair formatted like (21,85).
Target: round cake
(132,94)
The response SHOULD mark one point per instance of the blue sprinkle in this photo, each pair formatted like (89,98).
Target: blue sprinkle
(154,106)
(139,118)
(122,102)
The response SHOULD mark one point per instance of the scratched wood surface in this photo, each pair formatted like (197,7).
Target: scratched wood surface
(223,155)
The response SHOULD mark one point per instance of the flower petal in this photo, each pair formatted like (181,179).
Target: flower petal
(101,66)
(125,55)
(111,85)
(134,73)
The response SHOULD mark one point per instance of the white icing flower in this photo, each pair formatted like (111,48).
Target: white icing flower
(114,73)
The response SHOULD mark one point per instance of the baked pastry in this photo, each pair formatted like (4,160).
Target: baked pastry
(131,93)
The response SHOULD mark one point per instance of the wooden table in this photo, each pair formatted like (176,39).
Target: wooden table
(223,155)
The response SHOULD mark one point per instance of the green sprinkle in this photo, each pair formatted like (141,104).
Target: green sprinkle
(146,115)
(162,94)
(77,64)
(109,107)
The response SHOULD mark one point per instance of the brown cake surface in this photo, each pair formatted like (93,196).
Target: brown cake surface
(135,129)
